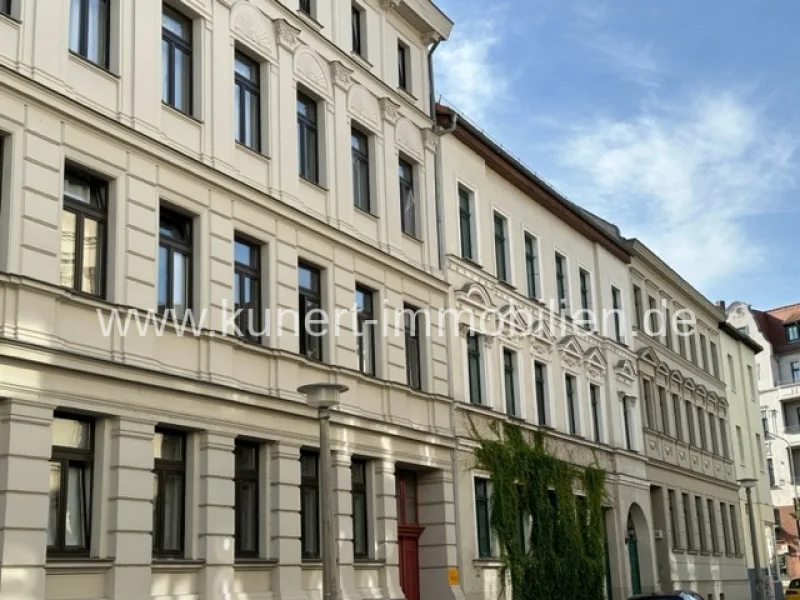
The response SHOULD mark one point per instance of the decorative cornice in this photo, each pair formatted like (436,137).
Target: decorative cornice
(286,33)
(390,110)
(341,75)
(390,4)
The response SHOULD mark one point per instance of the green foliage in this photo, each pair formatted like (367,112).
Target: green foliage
(565,553)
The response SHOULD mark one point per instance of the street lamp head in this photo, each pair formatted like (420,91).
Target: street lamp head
(322,395)
(748,482)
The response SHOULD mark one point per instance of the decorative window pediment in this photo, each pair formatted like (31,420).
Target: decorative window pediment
(625,371)
(511,320)
(571,351)
(474,294)
(595,362)
(648,355)
(664,371)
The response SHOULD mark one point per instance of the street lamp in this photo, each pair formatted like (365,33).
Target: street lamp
(748,483)
(323,397)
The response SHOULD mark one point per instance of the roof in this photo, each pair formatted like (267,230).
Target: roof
(510,168)
(741,337)
(771,323)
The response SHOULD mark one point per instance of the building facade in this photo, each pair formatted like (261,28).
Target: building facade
(778,381)
(271,155)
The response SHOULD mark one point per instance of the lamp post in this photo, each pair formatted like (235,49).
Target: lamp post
(323,397)
(748,483)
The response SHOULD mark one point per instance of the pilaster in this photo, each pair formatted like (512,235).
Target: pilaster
(341,202)
(284,525)
(386,529)
(437,545)
(343,523)
(391,189)
(286,147)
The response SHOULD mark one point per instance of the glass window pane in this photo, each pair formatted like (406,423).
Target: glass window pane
(92,262)
(165,71)
(168,446)
(308,465)
(310,516)
(251,119)
(246,511)
(359,524)
(244,67)
(55,496)
(93,33)
(175,24)
(237,112)
(173,511)
(163,266)
(71,433)
(243,253)
(411,499)
(246,456)
(68,241)
(183,80)
(180,283)
(75,25)
(78,485)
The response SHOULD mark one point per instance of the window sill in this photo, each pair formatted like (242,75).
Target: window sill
(310,20)
(10,20)
(368,563)
(507,284)
(180,114)
(313,183)
(254,564)
(472,262)
(362,59)
(488,563)
(101,70)
(77,564)
(168,565)
(403,91)
(255,153)
(693,552)
(312,563)
(412,237)
(365,212)
(678,551)
(479,407)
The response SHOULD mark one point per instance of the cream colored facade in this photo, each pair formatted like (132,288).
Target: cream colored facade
(57,108)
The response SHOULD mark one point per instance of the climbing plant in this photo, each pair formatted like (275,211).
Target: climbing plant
(563,554)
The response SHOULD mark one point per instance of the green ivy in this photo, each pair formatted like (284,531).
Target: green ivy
(565,554)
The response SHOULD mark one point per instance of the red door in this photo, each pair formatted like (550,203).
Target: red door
(408,532)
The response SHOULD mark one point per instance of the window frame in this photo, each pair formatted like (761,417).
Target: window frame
(673,518)
(175,42)
(511,390)
(638,306)
(474,348)
(84,20)
(687,518)
(595,403)
(365,325)
(243,272)
(308,483)
(358,37)
(585,287)
(532,267)
(570,387)
(243,475)
(307,8)
(627,425)
(466,221)
(162,467)
(794,372)
(616,306)
(185,223)
(248,88)
(483,547)
(676,413)
(541,384)
(698,508)
(309,299)
(98,188)
(413,346)
(360,489)
(562,283)
(502,268)
(361,162)
(663,410)
(403,74)
(308,138)
(792,331)
(407,188)
(5,7)
(67,456)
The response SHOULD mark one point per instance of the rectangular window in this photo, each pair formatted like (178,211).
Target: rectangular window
(714,359)
(403,79)
(792,332)
(169,487)
(795,371)
(752,382)
(726,534)
(174,262)
(532,265)
(70,509)
(723,437)
(246,483)
(712,520)
(306,7)
(358,477)
(176,59)
(482,522)
(586,297)
(408,204)
(663,410)
(712,426)
(359,143)
(649,415)
(501,247)
(357,18)
(653,312)
(309,505)
(693,347)
(310,299)
(704,352)
(687,519)
(616,304)
(681,328)
(765,421)
(626,422)
(561,284)
(740,442)
(570,388)
(760,450)
(594,396)
(701,426)
(247,98)
(5,7)
(735,529)
(465,222)
(83,232)
(247,288)
(510,381)
(413,326)
(637,306)
(771,471)
(307,138)
(676,413)
(89,27)
(365,333)
(540,381)
(475,367)
(405,483)
(690,423)
(701,524)
(673,519)
(668,328)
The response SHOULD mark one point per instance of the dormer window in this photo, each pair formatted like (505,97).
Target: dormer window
(792,332)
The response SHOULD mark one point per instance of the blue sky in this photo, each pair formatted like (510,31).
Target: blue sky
(679,121)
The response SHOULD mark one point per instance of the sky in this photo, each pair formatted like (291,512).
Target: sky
(677,120)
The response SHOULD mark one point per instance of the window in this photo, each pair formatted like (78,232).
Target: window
(247,96)
(482,523)
(637,306)
(752,382)
(406,494)
(594,396)
(169,485)
(771,471)
(712,426)
(673,516)
(306,7)
(723,437)
(465,222)
(663,410)
(540,381)
(740,442)
(532,265)
(676,413)
(735,529)
(795,366)
(765,421)
(307,138)
(586,297)
(704,352)
(712,520)
(668,328)
(408,205)
(649,415)
(653,312)
(561,284)
(174,262)
(358,477)
(693,347)
(510,381)
(701,426)
(501,247)
(176,59)
(413,325)
(310,299)
(309,504)
(475,368)
(687,519)
(681,329)
(701,525)
(70,513)
(359,144)
(726,534)
(626,422)
(570,388)
(760,449)
(357,26)
(5,7)
(403,79)
(247,288)
(616,303)
(89,26)
(714,360)
(792,332)
(365,334)
(83,232)
(246,483)
(690,423)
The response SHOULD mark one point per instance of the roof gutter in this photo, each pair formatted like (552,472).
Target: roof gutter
(740,337)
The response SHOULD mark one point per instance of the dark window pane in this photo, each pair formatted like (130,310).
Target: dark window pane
(55,499)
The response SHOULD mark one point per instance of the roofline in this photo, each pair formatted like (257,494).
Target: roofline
(510,168)
(744,339)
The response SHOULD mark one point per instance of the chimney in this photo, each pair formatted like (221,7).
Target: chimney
(721,305)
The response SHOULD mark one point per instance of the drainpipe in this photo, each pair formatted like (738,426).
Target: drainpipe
(437,177)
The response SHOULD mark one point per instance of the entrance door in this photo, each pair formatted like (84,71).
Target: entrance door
(633,557)
(408,532)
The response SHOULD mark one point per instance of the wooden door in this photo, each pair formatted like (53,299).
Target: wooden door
(408,532)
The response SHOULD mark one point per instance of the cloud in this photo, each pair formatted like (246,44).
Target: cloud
(685,179)
(633,62)
(468,74)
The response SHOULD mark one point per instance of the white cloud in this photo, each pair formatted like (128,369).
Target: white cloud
(632,61)
(468,76)
(685,179)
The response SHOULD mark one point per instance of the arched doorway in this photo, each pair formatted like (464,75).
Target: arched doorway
(640,552)
(633,557)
